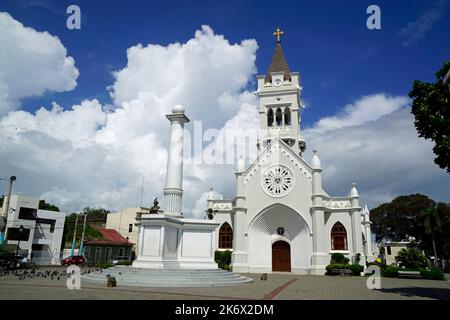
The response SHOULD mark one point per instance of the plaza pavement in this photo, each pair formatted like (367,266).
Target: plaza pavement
(278,286)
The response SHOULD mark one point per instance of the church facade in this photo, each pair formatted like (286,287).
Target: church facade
(282,219)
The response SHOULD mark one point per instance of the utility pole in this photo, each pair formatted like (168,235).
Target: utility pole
(72,253)
(80,253)
(5,213)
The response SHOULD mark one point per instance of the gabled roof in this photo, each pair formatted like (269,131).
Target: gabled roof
(111,237)
(277,141)
(279,64)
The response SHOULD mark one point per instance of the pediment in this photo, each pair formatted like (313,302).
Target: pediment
(272,155)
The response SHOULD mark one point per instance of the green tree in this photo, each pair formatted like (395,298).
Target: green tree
(47,206)
(411,258)
(397,220)
(69,226)
(96,215)
(431,109)
(432,224)
(403,217)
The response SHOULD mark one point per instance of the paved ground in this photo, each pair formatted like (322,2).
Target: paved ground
(278,286)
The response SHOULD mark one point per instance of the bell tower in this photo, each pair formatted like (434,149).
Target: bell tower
(279,102)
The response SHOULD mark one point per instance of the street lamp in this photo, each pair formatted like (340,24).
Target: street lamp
(21,228)
(6,211)
(130,258)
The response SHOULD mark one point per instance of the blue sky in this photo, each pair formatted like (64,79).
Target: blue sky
(327,41)
(93,150)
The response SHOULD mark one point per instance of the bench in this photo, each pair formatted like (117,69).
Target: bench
(409,274)
(342,272)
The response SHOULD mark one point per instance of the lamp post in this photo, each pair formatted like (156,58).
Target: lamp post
(126,248)
(5,213)
(21,228)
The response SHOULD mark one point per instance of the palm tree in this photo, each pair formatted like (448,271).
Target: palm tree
(432,223)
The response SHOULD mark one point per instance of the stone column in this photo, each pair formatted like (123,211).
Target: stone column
(356,225)
(320,257)
(173,191)
(239,257)
(367,223)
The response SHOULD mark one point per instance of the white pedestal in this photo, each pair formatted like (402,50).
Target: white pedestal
(167,242)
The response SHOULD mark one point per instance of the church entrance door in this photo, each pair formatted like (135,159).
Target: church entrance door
(281,257)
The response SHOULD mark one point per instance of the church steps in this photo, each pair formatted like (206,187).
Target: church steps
(167,277)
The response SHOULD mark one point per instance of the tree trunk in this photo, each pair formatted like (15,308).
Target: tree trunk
(434,249)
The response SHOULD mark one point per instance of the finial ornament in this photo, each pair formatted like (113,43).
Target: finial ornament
(278,33)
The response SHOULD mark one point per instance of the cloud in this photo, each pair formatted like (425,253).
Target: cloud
(418,29)
(90,154)
(384,156)
(95,155)
(31,63)
(364,110)
(197,73)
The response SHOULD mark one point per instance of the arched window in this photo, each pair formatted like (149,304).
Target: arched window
(287,116)
(270,118)
(226,237)
(338,237)
(279,117)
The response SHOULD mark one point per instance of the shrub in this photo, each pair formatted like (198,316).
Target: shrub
(339,258)
(357,269)
(411,258)
(103,265)
(432,274)
(390,272)
(124,263)
(223,259)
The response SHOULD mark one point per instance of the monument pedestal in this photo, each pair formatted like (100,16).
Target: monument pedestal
(168,242)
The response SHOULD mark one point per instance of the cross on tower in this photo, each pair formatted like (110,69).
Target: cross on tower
(278,33)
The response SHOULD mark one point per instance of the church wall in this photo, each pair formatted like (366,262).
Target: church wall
(345,219)
(298,199)
(263,233)
(221,217)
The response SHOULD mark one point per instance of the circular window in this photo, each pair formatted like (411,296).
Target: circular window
(277,181)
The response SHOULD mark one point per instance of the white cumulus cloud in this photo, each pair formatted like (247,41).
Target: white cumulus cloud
(31,62)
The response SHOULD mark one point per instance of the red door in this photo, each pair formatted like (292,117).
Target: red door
(281,257)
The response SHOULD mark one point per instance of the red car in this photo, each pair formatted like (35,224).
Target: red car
(78,260)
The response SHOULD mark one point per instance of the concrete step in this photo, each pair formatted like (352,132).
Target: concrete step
(167,277)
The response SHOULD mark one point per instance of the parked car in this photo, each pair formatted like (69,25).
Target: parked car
(78,260)
(121,260)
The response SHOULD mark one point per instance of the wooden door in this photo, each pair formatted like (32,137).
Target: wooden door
(281,257)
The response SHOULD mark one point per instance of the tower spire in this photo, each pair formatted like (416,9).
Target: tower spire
(279,63)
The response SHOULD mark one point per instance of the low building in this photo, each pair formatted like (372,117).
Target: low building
(124,222)
(391,250)
(37,233)
(105,250)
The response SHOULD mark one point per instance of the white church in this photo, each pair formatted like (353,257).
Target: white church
(281,220)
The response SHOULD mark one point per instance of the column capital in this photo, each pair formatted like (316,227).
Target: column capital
(178,117)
